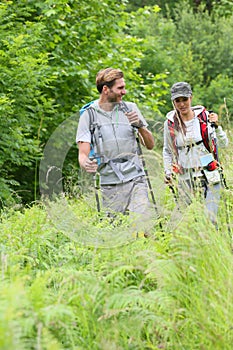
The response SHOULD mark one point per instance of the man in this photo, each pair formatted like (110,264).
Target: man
(113,134)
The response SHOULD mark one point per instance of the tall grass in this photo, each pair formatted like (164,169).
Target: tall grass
(172,290)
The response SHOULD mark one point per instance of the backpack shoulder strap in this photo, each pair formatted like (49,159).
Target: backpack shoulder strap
(171,128)
(210,146)
(204,129)
(92,122)
(85,107)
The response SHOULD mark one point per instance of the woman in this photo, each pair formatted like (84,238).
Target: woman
(191,138)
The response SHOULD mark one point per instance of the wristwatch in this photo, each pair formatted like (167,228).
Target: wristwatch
(138,125)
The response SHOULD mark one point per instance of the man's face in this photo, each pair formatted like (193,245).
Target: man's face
(117,91)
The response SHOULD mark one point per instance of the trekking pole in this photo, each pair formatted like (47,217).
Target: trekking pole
(127,110)
(172,189)
(147,175)
(96,186)
(146,171)
(96,180)
(222,176)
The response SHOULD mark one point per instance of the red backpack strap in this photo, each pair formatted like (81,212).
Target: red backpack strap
(204,129)
(203,119)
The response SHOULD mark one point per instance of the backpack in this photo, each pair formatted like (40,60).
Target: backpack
(203,119)
(101,158)
(91,113)
(85,107)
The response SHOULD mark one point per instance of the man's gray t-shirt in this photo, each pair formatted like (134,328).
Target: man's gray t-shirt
(115,141)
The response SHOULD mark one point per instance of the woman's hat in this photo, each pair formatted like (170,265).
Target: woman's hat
(181,89)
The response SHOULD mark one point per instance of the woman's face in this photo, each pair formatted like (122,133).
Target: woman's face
(183,104)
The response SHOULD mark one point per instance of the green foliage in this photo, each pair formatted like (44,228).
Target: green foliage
(198,272)
(23,103)
(215,58)
(168,6)
(223,8)
(166,52)
(70,277)
(219,96)
(50,53)
(172,290)
(189,46)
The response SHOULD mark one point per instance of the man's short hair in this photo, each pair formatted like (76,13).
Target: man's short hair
(107,77)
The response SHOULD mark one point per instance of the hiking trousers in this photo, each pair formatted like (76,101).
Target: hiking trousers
(131,196)
(210,193)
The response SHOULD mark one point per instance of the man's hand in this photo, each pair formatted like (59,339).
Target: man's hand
(86,163)
(133,119)
(90,165)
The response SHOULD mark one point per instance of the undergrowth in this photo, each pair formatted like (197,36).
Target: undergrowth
(62,288)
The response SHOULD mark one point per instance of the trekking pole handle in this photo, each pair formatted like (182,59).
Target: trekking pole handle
(136,125)
(213,124)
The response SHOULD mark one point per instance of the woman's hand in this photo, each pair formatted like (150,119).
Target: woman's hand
(213,119)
